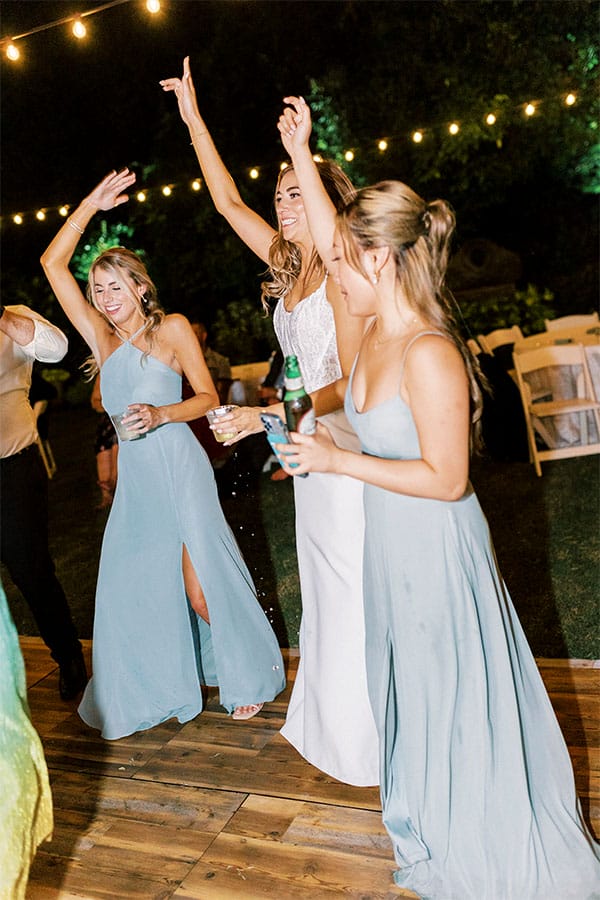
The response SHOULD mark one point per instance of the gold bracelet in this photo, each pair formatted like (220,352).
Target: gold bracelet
(74,225)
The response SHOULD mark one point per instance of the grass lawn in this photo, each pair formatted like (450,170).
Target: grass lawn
(545,531)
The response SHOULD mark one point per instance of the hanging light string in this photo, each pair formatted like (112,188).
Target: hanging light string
(417,136)
(8,45)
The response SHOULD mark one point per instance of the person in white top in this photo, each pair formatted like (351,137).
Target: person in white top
(329,720)
(24,337)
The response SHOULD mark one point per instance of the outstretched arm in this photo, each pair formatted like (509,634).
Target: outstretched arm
(56,258)
(247,224)
(295,127)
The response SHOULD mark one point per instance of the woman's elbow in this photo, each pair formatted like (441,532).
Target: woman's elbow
(455,488)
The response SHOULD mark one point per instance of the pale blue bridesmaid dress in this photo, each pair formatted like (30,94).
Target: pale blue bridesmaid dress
(477,786)
(150,650)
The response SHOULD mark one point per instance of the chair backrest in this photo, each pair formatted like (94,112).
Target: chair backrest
(499,337)
(556,355)
(571,321)
(473,346)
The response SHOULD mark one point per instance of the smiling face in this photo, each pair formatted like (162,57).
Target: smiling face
(116,296)
(290,208)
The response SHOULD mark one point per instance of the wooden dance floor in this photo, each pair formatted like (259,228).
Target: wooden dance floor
(223,810)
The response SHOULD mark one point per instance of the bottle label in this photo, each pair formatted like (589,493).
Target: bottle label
(308,423)
(293,384)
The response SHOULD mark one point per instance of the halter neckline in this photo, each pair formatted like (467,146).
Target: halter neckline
(132,337)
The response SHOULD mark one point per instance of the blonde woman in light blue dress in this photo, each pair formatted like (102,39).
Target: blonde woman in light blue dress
(175,603)
(477,787)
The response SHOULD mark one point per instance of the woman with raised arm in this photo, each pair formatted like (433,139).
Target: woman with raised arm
(477,788)
(166,536)
(329,718)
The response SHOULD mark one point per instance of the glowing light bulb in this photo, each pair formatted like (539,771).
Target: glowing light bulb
(417,137)
(18,219)
(153,6)
(530,109)
(13,52)
(167,191)
(141,196)
(454,128)
(254,173)
(196,184)
(490,119)
(40,215)
(63,210)
(349,155)
(382,145)
(79,29)
(570,99)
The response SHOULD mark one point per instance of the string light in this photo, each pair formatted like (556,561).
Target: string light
(76,21)
(79,29)
(416,136)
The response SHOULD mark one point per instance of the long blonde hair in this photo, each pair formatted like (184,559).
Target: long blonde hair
(285,257)
(390,214)
(129,272)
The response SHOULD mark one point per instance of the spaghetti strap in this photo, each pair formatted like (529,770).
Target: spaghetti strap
(409,345)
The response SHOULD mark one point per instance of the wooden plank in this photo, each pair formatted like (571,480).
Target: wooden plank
(236,867)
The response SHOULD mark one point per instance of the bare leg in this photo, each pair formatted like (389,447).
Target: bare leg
(193,588)
(195,594)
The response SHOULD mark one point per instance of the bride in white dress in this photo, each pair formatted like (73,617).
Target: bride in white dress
(329,719)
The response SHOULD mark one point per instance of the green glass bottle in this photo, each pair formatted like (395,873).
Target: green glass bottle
(299,412)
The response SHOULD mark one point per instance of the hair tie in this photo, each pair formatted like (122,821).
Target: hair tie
(426,220)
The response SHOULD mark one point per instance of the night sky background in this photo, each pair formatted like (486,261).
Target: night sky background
(72,110)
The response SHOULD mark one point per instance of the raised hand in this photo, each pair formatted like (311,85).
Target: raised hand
(184,90)
(111,190)
(295,124)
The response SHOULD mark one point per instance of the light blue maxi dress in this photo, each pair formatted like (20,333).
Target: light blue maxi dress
(477,786)
(150,650)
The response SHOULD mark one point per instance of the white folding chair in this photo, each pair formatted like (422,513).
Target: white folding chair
(499,337)
(576,321)
(572,358)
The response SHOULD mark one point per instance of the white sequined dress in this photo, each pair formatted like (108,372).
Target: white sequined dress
(329,719)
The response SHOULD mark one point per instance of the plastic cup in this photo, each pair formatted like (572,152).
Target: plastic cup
(124,431)
(213,416)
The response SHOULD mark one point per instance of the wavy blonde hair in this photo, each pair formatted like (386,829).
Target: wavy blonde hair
(129,272)
(285,257)
(390,214)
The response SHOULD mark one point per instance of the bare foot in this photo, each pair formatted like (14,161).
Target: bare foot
(246,712)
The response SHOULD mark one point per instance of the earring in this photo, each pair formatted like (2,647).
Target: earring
(375,278)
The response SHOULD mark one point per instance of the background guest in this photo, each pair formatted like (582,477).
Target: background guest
(24,337)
